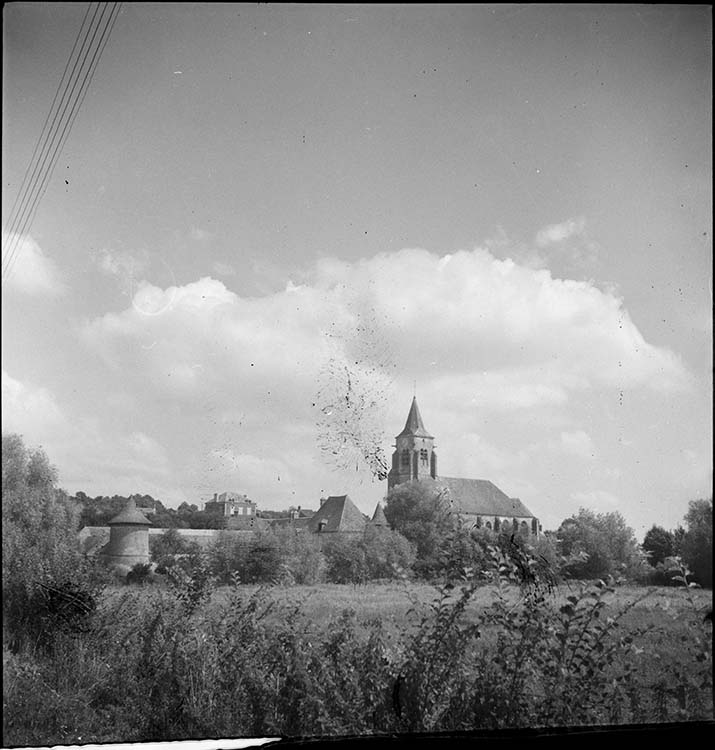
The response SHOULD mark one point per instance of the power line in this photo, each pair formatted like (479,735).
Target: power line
(43,169)
(25,184)
(30,195)
(74,109)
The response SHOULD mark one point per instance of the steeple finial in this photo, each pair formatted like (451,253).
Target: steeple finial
(414,425)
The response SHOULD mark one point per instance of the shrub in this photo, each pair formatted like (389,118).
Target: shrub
(140,573)
(345,560)
(168,544)
(697,543)
(301,556)
(388,554)
(597,545)
(227,557)
(48,586)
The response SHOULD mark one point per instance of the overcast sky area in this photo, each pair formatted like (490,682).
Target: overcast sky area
(269,223)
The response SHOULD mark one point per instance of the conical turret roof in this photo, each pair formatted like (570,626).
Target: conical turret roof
(414,425)
(130,514)
(378,517)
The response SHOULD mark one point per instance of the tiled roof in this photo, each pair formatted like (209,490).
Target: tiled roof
(480,497)
(337,513)
(414,425)
(378,517)
(227,497)
(130,515)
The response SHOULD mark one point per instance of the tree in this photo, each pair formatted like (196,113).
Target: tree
(227,556)
(598,545)
(418,512)
(345,560)
(302,555)
(388,554)
(697,543)
(47,583)
(165,548)
(264,560)
(659,543)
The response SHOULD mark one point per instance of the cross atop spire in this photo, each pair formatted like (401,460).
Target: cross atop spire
(414,425)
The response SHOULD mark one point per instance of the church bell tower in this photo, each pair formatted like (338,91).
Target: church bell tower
(414,456)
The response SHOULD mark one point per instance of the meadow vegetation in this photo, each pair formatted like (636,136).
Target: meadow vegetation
(283,637)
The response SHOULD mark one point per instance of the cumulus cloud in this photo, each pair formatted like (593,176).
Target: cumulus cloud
(31,270)
(308,375)
(559,232)
(91,456)
(488,331)
(27,408)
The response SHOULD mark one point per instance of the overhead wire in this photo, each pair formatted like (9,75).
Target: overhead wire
(24,186)
(31,192)
(44,169)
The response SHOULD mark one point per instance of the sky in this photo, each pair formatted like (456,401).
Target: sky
(271,225)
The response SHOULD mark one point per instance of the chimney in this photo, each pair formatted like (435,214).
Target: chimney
(322,500)
(215,496)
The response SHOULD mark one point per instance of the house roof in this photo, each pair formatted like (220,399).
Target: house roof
(337,513)
(130,515)
(480,497)
(231,497)
(378,517)
(414,425)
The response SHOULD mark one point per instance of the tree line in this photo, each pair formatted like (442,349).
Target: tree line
(586,546)
(425,541)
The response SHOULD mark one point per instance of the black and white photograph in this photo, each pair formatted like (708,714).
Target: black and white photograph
(357,372)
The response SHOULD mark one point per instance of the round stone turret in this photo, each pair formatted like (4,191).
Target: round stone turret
(128,538)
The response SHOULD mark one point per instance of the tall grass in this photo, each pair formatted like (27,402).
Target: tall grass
(168,663)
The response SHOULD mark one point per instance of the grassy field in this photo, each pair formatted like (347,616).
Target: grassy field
(391,601)
(331,659)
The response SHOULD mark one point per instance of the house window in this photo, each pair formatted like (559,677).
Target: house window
(405,459)
(424,455)
(489,524)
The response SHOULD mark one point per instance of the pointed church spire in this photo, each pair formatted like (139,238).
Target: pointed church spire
(414,425)
(414,456)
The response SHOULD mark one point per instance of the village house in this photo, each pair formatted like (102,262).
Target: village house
(238,510)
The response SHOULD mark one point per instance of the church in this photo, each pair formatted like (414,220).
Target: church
(478,502)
